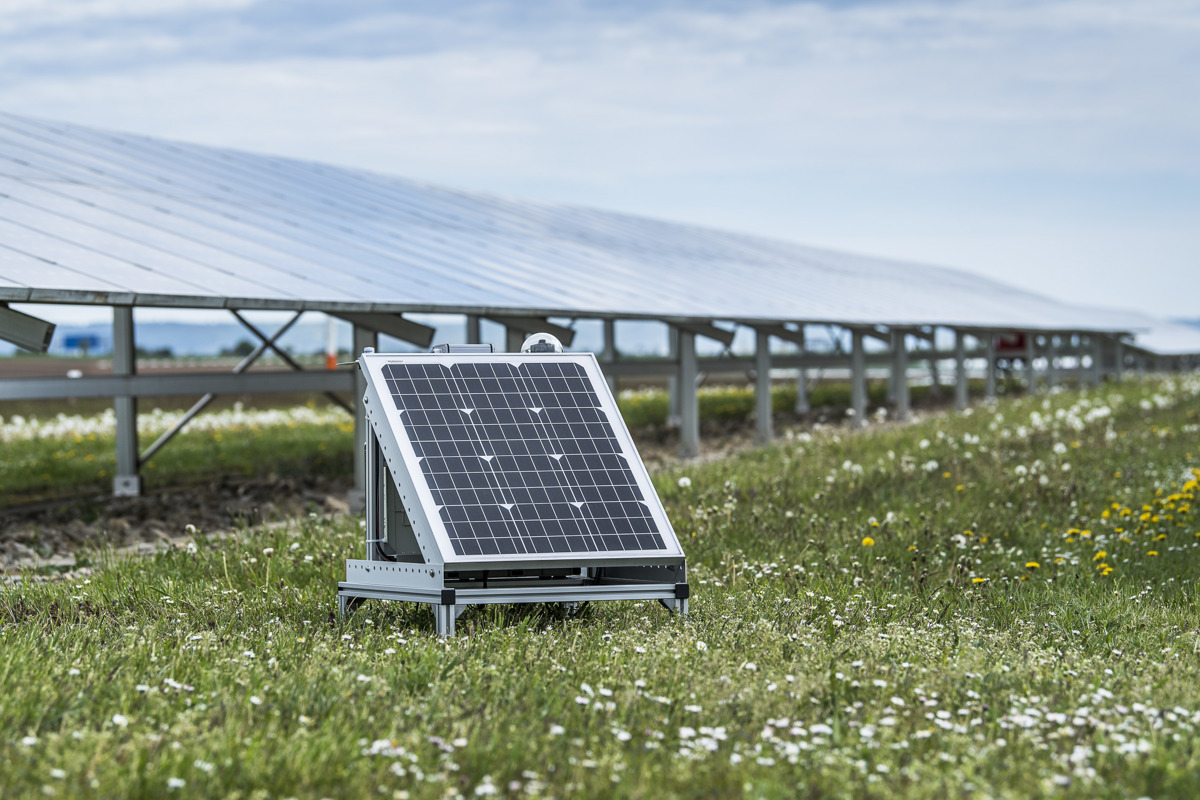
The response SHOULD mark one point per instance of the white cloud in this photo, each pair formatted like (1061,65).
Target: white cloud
(748,115)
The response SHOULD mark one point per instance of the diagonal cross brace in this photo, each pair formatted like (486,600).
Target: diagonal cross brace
(265,343)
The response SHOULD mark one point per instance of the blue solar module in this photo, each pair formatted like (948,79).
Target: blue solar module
(521,457)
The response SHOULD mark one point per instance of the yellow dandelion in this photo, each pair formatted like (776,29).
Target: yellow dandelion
(978,580)
(945,474)
(958,488)
(868,541)
(1100,555)
(913,547)
(1151,552)
(1032,565)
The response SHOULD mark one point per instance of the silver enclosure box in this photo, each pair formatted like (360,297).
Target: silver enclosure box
(505,478)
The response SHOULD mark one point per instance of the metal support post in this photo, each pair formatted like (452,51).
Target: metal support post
(689,403)
(513,339)
(472,332)
(763,430)
(960,370)
(1030,372)
(609,354)
(858,380)
(674,417)
(1119,355)
(127,482)
(900,394)
(1052,366)
(363,338)
(802,405)
(989,389)
(1097,371)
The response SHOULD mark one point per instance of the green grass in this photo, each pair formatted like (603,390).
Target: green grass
(863,624)
(79,458)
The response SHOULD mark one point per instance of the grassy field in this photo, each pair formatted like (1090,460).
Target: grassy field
(993,604)
(57,450)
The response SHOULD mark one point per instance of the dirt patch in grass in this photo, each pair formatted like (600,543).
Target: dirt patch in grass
(50,534)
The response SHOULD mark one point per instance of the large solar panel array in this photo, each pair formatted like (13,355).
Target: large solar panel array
(91,216)
(521,458)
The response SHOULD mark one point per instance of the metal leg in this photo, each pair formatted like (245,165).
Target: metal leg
(858,380)
(763,430)
(347,605)
(444,617)
(689,404)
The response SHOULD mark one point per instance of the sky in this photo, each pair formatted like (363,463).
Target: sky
(1051,144)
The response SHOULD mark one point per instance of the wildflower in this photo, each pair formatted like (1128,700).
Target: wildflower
(1101,555)
(58,774)
(750,666)
(557,730)
(268,551)
(120,720)
(685,482)
(255,700)
(1152,552)
(701,646)
(1032,565)
(978,580)
(176,783)
(868,541)
(29,741)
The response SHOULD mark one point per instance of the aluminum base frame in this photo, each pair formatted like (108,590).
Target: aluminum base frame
(449,604)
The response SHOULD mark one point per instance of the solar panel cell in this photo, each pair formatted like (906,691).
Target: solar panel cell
(521,458)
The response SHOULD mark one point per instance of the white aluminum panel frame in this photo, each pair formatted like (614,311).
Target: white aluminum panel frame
(394,433)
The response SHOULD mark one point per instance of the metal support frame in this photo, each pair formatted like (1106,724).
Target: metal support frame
(1030,354)
(899,381)
(423,577)
(689,402)
(1096,373)
(989,377)
(763,429)
(363,338)
(25,331)
(673,415)
(1052,365)
(802,404)
(263,345)
(1119,355)
(858,379)
(705,329)
(393,325)
(448,604)
(960,370)
(127,482)
(472,331)
(608,355)
(517,328)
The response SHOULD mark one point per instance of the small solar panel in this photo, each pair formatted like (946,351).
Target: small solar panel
(520,457)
